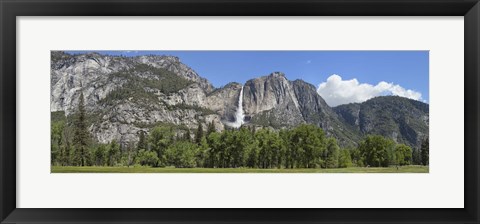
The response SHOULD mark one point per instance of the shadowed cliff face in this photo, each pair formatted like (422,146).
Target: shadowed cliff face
(404,120)
(125,95)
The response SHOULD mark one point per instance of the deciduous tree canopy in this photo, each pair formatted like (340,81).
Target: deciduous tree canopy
(305,146)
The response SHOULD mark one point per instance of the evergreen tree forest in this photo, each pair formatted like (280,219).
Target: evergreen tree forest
(305,146)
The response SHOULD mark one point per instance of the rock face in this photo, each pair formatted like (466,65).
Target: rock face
(126,95)
(269,100)
(224,101)
(92,73)
(404,120)
(276,102)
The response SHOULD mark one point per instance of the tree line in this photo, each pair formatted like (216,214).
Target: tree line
(305,146)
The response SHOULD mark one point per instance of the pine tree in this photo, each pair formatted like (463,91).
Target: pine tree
(199,134)
(113,153)
(80,138)
(416,157)
(130,154)
(187,136)
(210,128)
(142,142)
(425,153)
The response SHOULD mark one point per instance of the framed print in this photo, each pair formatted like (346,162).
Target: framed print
(246,112)
(150,112)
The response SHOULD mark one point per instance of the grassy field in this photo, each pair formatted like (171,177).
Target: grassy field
(97,169)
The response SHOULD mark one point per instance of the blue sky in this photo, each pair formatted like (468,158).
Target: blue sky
(408,69)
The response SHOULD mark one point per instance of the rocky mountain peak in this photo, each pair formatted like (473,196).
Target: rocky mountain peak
(157,60)
(300,82)
(268,92)
(277,74)
(234,85)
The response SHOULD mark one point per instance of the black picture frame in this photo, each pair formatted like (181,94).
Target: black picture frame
(10,9)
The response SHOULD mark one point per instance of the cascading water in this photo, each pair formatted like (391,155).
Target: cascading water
(239,115)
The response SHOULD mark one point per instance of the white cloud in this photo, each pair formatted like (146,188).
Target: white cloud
(308,62)
(336,91)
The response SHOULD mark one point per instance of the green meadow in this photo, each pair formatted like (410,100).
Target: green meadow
(144,169)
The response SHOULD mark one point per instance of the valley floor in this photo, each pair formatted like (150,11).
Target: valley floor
(97,169)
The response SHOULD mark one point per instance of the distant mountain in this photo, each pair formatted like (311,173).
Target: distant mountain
(404,120)
(125,95)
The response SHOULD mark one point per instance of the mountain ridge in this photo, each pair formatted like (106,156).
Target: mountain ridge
(131,94)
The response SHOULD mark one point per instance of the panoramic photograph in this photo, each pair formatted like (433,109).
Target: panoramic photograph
(129,111)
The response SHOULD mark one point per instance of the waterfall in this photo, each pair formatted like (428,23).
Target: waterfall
(239,115)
